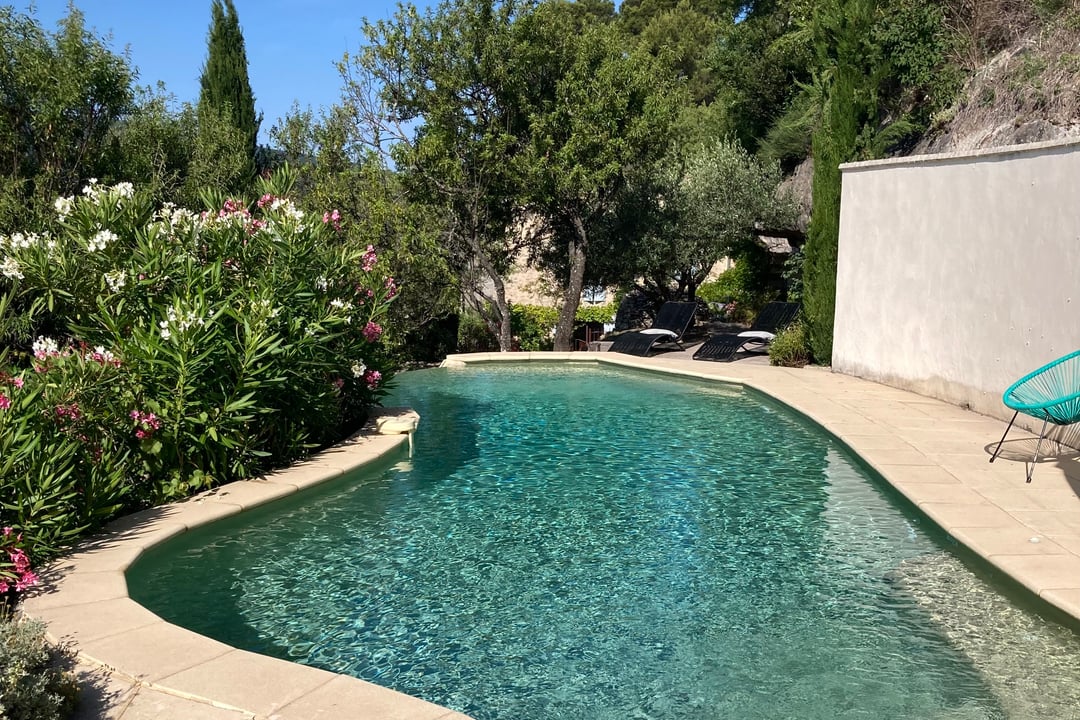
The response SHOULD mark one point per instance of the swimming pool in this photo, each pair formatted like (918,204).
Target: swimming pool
(584,543)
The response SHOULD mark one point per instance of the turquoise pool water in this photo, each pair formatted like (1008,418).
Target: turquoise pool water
(582,543)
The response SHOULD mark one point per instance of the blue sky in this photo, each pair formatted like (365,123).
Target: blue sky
(291,46)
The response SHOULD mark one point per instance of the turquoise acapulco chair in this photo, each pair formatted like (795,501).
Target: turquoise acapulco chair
(1050,394)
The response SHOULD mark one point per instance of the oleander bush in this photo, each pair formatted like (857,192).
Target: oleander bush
(166,351)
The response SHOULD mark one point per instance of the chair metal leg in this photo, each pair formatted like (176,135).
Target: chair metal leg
(998,448)
(1038,446)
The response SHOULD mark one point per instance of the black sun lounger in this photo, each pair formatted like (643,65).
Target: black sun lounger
(671,323)
(773,318)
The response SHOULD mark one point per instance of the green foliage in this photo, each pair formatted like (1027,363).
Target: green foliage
(713,203)
(595,313)
(790,347)
(335,170)
(789,139)
(189,350)
(793,275)
(32,687)
(474,334)
(849,117)
(740,291)
(533,326)
(60,93)
(225,88)
(152,146)
(533,118)
(597,115)
(726,194)
(456,68)
(682,38)
(759,63)
(920,75)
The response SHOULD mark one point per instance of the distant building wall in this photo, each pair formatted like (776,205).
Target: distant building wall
(959,273)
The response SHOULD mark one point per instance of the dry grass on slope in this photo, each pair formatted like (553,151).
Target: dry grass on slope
(1027,92)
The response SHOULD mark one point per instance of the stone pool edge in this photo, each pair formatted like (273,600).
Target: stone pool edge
(931,452)
(84,602)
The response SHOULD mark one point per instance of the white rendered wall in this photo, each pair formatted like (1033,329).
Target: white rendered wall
(957,274)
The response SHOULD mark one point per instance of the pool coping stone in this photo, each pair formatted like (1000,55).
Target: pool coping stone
(932,453)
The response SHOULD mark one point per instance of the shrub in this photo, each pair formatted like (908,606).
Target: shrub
(474,335)
(188,350)
(739,292)
(791,347)
(533,326)
(32,687)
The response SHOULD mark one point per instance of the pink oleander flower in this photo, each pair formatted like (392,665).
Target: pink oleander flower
(4,586)
(19,560)
(8,530)
(5,402)
(391,287)
(17,382)
(369,259)
(69,412)
(27,580)
(372,332)
(265,200)
(332,218)
(372,378)
(233,206)
(146,424)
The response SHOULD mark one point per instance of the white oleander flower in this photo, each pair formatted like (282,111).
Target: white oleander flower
(10,268)
(116,280)
(101,240)
(45,346)
(358,369)
(92,189)
(63,207)
(124,189)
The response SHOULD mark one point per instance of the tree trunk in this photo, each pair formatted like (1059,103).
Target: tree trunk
(564,329)
(506,341)
(499,323)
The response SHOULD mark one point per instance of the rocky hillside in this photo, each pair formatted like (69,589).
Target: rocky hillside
(1027,92)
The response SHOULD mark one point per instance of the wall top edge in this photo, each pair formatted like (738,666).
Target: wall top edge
(1072,143)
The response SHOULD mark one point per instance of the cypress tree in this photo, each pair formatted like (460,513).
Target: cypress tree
(848,120)
(225,88)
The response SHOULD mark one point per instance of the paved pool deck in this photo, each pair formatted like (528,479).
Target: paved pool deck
(136,666)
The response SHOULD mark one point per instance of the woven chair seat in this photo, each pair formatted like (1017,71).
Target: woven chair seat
(1050,393)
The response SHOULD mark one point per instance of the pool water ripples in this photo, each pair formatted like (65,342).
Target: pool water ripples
(582,543)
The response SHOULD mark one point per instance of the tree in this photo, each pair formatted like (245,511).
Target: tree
(431,91)
(597,115)
(225,88)
(59,94)
(715,201)
(335,171)
(849,121)
(152,146)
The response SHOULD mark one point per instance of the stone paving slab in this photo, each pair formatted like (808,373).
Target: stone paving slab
(135,666)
